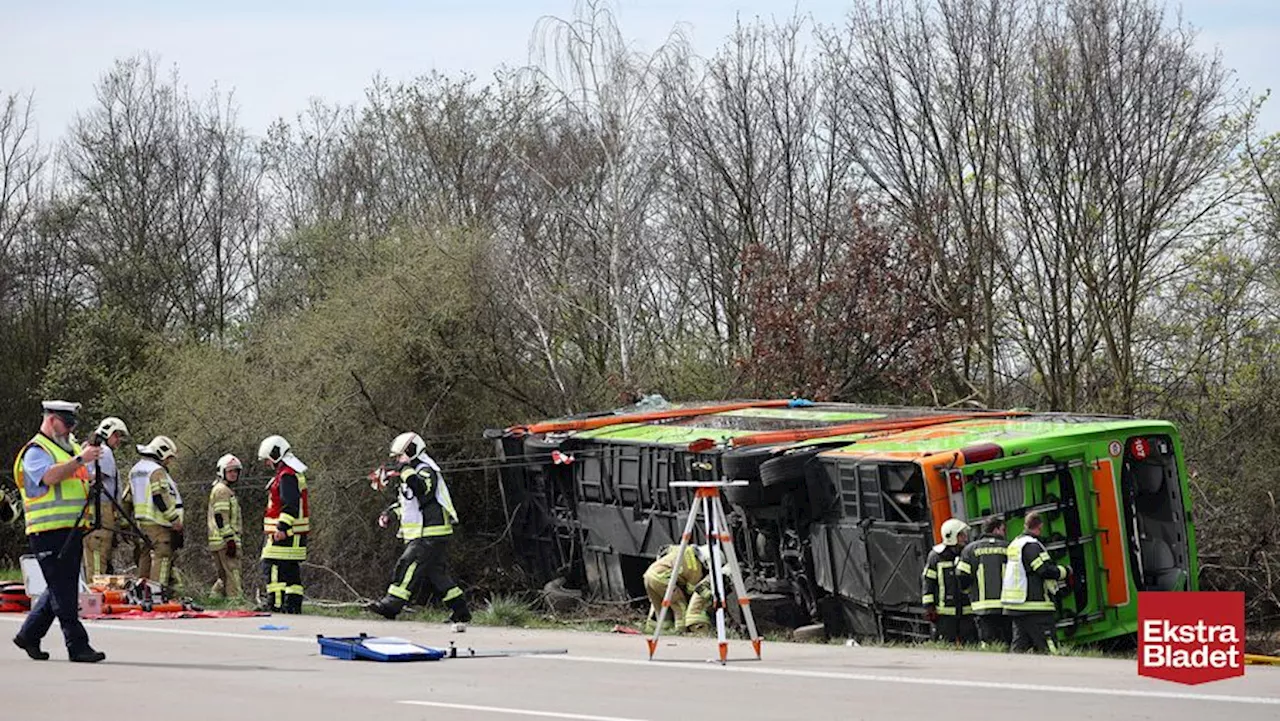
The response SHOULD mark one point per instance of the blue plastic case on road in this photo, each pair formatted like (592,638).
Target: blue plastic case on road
(376,648)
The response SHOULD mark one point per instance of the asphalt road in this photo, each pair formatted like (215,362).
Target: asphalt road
(231,668)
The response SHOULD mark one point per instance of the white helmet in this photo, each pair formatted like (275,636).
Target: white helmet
(409,444)
(273,448)
(111,425)
(227,463)
(161,448)
(704,553)
(951,530)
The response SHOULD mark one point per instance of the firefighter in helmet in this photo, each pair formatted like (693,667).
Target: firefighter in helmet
(691,598)
(427,518)
(155,509)
(286,523)
(225,527)
(946,604)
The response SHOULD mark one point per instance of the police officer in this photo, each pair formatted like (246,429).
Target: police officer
(100,542)
(981,571)
(946,605)
(427,517)
(286,523)
(1030,581)
(225,527)
(53,481)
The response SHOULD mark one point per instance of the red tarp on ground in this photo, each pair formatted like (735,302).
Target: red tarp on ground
(145,615)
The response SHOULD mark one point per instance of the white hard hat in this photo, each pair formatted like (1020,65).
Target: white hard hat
(704,553)
(951,530)
(409,444)
(227,463)
(111,425)
(160,447)
(273,448)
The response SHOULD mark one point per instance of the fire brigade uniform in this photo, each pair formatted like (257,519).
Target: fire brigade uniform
(99,543)
(691,596)
(225,527)
(941,590)
(288,511)
(156,511)
(1030,581)
(426,516)
(54,522)
(981,570)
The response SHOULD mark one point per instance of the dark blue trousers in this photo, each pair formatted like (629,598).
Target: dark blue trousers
(61,598)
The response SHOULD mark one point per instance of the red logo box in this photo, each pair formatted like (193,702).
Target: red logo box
(1191,637)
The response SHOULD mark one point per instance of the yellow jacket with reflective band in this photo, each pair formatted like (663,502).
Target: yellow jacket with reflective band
(222,500)
(60,505)
(1030,577)
(148,479)
(691,576)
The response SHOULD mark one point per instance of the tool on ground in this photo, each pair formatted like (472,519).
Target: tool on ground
(720,542)
(473,653)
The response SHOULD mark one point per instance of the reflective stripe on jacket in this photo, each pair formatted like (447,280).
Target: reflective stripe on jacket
(61,503)
(939,586)
(1030,577)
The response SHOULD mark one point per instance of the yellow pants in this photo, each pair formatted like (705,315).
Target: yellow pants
(228,583)
(99,544)
(686,613)
(158,565)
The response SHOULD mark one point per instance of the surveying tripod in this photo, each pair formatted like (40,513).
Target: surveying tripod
(94,501)
(719,541)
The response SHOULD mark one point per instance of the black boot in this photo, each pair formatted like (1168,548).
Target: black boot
(32,648)
(85,654)
(460,612)
(387,607)
(293,603)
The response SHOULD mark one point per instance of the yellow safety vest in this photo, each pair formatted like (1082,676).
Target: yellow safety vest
(61,505)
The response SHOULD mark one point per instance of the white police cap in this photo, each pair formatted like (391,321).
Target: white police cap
(61,407)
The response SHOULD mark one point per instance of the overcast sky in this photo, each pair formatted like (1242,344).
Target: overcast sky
(275,54)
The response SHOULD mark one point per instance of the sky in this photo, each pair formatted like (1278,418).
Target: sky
(274,55)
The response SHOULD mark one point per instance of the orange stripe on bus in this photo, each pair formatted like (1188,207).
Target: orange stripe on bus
(1111,533)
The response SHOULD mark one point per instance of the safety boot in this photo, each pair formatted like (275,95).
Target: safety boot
(32,648)
(85,654)
(387,607)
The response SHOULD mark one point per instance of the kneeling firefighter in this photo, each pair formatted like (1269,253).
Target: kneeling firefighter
(691,598)
(286,523)
(427,518)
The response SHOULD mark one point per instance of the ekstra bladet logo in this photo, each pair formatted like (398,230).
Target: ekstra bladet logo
(1191,637)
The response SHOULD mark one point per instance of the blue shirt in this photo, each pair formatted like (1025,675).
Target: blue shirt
(35,462)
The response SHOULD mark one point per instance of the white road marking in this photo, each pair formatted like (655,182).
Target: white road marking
(797,673)
(925,681)
(517,711)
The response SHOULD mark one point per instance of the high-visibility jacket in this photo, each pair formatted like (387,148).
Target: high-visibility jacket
(150,489)
(59,505)
(939,586)
(1030,577)
(425,507)
(982,565)
(691,575)
(288,510)
(224,516)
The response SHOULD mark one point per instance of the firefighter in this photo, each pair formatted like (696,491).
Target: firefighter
(225,527)
(692,595)
(946,605)
(981,570)
(427,517)
(155,509)
(100,542)
(1031,579)
(53,482)
(286,523)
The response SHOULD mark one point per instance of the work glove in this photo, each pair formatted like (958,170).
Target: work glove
(931,614)
(384,520)
(231,549)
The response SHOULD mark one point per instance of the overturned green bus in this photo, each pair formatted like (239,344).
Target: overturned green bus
(844,501)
